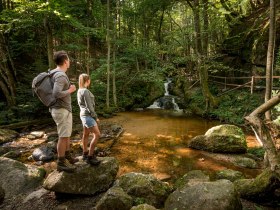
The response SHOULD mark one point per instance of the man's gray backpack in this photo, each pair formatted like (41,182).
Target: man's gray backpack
(42,85)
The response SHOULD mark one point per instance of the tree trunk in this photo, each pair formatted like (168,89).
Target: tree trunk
(7,72)
(89,6)
(88,56)
(114,79)
(50,48)
(203,74)
(1,6)
(270,56)
(160,26)
(262,131)
(205,27)
(108,56)
(6,92)
(114,64)
(197,28)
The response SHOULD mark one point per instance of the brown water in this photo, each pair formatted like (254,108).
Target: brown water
(155,141)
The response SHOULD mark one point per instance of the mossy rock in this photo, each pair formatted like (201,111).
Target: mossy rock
(245,162)
(114,198)
(143,207)
(262,189)
(192,175)
(229,174)
(7,135)
(144,188)
(221,139)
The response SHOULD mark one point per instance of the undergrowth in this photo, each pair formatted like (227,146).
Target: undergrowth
(233,106)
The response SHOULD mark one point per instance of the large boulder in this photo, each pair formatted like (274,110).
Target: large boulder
(229,174)
(221,139)
(240,160)
(144,188)
(114,199)
(7,135)
(86,180)
(143,207)
(205,196)
(191,177)
(245,162)
(17,178)
(263,189)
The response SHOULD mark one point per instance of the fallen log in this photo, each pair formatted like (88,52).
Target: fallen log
(25,124)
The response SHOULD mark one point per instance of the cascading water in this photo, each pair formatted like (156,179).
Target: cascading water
(167,101)
(166,84)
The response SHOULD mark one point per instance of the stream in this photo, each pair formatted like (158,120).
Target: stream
(155,141)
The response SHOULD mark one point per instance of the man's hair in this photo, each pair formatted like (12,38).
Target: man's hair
(59,57)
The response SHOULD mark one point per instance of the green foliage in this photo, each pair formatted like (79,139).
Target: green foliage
(277,62)
(196,102)
(233,106)
(139,77)
(276,109)
(137,201)
(155,39)
(257,151)
(134,89)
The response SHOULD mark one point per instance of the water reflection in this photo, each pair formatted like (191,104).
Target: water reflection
(155,142)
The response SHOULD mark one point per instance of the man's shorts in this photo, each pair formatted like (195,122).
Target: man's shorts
(63,120)
(88,121)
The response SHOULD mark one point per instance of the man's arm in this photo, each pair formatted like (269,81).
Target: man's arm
(58,87)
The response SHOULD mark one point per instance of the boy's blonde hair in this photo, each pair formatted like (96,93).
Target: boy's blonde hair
(83,78)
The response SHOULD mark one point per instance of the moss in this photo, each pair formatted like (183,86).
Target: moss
(139,200)
(20,166)
(257,151)
(259,189)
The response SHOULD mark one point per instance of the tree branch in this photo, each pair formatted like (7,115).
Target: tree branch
(266,106)
(189,3)
(262,131)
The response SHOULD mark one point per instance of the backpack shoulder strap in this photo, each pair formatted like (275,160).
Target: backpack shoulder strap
(51,74)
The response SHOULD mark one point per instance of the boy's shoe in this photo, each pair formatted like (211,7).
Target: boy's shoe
(64,165)
(92,160)
(70,158)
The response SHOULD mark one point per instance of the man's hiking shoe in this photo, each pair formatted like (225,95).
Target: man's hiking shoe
(85,156)
(70,158)
(64,165)
(92,160)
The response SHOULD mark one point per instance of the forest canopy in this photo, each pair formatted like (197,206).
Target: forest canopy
(130,47)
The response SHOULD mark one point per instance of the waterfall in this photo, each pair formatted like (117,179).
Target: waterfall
(166,84)
(155,105)
(176,107)
(167,101)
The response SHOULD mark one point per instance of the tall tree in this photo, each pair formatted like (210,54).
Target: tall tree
(203,72)
(108,55)
(205,35)
(49,35)
(50,48)
(7,72)
(114,54)
(270,56)
(89,11)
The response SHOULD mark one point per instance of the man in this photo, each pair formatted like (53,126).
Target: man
(61,111)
